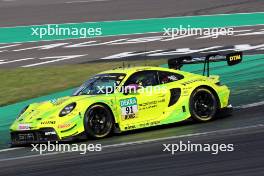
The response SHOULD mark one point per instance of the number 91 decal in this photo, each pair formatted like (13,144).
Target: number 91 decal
(129,108)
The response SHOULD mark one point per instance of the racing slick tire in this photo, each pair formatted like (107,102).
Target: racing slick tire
(203,105)
(98,121)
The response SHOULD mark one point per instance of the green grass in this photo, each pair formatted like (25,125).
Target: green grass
(25,83)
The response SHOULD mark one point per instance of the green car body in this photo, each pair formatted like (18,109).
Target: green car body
(166,102)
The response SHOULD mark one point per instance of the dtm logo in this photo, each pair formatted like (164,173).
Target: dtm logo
(234,58)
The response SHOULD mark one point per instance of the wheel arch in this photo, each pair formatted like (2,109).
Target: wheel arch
(212,90)
(105,105)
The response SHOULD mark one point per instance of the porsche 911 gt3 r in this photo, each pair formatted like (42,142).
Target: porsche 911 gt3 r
(124,99)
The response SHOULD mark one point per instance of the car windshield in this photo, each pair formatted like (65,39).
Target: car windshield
(100,84)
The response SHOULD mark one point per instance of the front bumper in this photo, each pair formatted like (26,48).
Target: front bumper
(33,136)
(226,111)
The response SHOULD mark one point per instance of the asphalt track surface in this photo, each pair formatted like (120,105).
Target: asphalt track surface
(141,152)
(31,12)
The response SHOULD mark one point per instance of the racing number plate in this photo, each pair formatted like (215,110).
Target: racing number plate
(129,108)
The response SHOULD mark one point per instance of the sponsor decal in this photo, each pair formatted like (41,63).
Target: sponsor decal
(66,125)
(48,133)
(130,127)
(26,137)
(129,108)
(58,101)
(148,124)
(48,122)
(128,102)
(151,104)
(192,81)
(186,91)
(53,101)
(24,127)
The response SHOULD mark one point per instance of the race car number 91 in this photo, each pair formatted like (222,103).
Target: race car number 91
(129,108)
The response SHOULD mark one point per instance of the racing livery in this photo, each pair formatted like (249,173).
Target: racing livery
(125,99)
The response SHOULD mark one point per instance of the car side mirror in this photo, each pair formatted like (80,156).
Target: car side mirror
(131,88)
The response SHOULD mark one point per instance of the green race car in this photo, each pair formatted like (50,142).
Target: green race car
(124,99)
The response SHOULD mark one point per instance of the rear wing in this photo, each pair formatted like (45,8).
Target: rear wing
(231,59)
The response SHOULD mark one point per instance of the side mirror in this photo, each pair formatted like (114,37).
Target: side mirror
(131,88)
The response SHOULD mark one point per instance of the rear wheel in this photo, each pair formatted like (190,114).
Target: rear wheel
(203,105)
(98,121)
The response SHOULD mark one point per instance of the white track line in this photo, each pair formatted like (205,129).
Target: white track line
(56,59)
(8,46)
(10,149)
(250,105)
(17,60)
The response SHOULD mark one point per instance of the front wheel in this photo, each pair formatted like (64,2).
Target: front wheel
(203,105)
(98,121)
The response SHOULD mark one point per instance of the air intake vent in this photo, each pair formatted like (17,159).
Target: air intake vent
(175,95)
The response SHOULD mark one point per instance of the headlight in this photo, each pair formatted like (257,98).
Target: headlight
(67,109)
(22,112)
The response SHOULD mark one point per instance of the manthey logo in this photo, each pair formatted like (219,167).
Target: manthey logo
(48,122)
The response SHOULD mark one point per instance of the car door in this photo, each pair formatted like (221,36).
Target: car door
(145,105)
